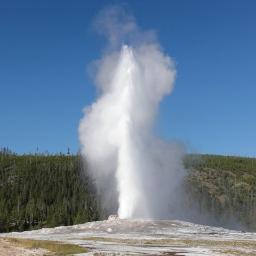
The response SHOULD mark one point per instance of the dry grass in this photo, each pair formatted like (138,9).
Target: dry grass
(54,248)
(238,253)
(232,247)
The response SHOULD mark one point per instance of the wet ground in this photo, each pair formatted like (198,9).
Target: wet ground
(148,237)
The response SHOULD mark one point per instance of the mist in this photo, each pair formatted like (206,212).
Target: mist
(135,171)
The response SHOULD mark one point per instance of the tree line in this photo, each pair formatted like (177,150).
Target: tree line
(44,191)
(224,187)
(39,190)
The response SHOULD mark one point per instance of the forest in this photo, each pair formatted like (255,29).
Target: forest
(40,190)
(224,187)
(44,191)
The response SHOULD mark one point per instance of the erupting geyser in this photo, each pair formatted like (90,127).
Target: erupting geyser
(124,156)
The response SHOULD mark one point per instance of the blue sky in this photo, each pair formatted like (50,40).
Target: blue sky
(46,46)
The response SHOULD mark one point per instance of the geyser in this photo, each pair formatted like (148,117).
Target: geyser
(124,156)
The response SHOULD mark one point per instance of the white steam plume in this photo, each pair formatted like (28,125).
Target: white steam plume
(126,159)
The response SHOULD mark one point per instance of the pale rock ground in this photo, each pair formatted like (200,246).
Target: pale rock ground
(147,237)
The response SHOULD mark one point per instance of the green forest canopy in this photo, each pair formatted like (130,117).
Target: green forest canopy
(38,190)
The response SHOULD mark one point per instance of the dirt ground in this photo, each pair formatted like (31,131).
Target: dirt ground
(8,249)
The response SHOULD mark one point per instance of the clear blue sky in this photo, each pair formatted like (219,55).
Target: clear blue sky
(45,47)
